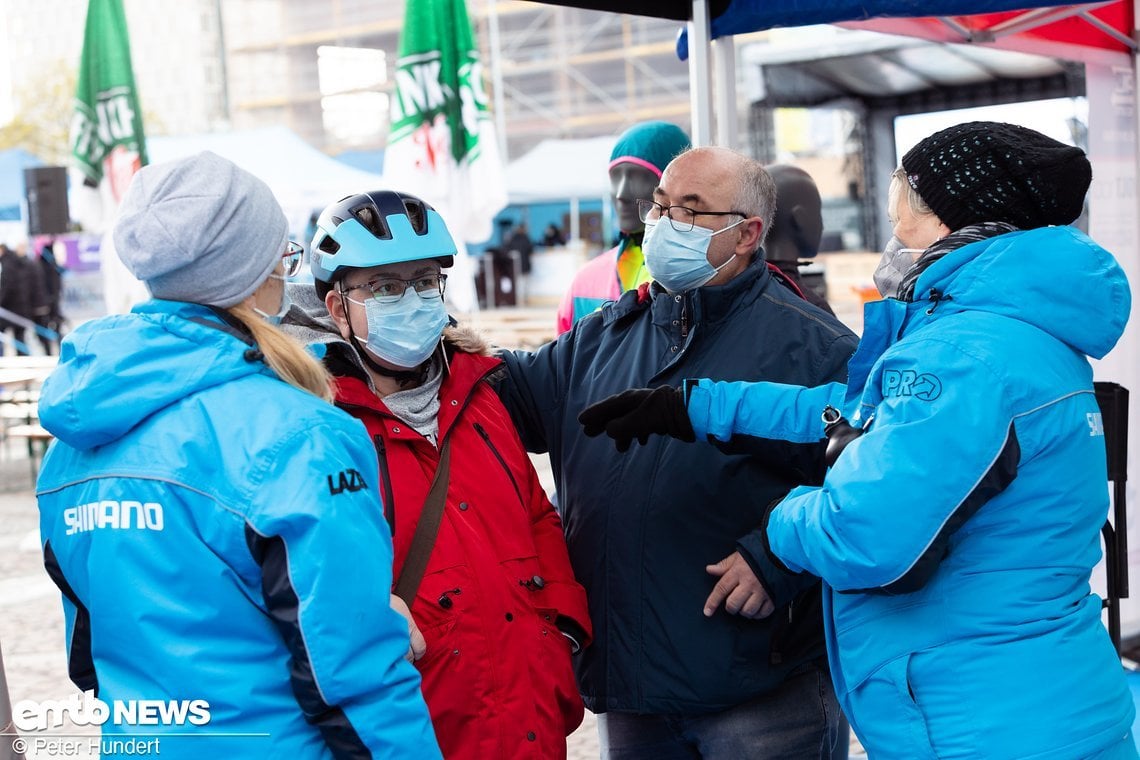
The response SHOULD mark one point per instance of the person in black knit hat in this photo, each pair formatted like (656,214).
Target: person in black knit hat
(979,180)
(958,523)
(986,171)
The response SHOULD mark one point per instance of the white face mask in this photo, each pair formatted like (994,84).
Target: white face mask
(406,332)
(679,261)
(893,266)
(286,302)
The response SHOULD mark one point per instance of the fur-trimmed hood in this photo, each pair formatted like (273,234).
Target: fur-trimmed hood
(467,339)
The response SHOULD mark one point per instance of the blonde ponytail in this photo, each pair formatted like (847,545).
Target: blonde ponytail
(285,356)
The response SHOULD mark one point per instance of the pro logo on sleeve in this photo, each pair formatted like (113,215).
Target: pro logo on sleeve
(907,382)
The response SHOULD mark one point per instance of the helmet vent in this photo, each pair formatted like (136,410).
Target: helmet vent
(329,246)
(371,221)
(417,215)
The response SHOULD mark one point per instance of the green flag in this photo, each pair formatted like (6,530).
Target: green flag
(107,141)
(438,74)
(442,146)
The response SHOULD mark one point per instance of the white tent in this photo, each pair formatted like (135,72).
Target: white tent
(302,178)
(559,170)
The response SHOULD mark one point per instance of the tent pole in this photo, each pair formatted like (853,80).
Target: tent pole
(497,77)
(1032,19)
(699,81)
(1127,41)
(724,64)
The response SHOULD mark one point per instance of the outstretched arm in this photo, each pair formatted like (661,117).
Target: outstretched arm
(760,409)
(532,389)
(702,409)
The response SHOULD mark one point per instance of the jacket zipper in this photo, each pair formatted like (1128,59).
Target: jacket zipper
(386,483)
(487,439)
(383,460)
(685,319)
(776,656)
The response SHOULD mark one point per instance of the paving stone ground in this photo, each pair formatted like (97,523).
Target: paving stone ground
(31,617)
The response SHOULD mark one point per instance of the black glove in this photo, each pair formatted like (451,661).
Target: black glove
(638,413)
(839,433)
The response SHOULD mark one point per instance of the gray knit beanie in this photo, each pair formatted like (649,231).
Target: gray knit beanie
(200,229)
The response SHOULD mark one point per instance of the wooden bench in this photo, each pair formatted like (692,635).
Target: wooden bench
(514,327)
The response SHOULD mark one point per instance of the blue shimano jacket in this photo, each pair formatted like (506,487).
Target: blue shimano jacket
(957,535)
(642,526)
(217,536)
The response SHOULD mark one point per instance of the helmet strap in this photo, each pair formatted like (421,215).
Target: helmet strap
(405,377)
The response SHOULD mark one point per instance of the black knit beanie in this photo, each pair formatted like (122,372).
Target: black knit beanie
(988,171)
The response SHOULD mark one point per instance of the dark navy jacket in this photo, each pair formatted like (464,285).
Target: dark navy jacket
(643,525)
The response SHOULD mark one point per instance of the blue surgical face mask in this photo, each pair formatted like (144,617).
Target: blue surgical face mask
(286,302)
(404,333)
(893,266)
(680,260)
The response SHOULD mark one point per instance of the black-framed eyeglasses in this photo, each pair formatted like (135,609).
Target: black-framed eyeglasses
(293,258)
(391,289)
(682,218)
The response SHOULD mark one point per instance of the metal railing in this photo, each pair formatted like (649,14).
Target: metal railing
(12,318)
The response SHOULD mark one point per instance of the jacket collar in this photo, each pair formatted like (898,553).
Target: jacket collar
(706,304)
(712,303)
(460,381)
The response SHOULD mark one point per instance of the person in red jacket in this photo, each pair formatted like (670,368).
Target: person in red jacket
(498,606)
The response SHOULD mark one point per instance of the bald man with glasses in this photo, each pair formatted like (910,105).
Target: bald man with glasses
(653,530)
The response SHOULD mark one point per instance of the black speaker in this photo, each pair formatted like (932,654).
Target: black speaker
(45,189)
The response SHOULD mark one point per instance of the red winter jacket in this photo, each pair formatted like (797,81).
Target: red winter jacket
(497,677)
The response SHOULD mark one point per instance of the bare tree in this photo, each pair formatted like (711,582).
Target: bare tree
(43,114)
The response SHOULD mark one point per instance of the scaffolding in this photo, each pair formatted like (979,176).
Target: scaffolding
(550,71)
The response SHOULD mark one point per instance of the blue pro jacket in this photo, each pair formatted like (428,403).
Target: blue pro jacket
(217,536)
(641,526)
(957,535)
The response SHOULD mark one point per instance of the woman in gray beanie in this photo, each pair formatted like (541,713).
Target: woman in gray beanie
(209,518)
(958,524)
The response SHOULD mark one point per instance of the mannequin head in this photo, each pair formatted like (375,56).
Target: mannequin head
(639,157)
(798,224)
(629,183)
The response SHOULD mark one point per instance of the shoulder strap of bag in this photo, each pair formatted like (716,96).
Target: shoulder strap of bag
(426,530)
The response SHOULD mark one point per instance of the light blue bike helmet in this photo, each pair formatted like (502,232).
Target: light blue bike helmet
(376,228)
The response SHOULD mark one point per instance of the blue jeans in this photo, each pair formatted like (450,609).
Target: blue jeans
(799,720)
